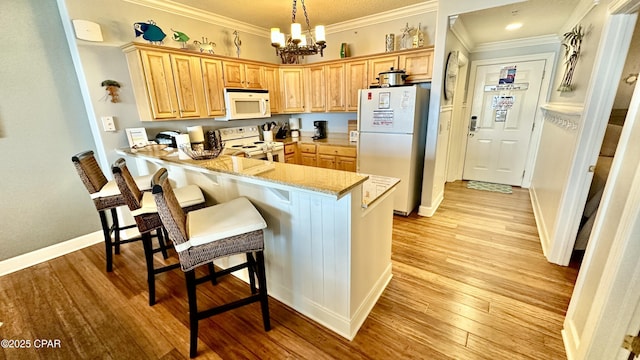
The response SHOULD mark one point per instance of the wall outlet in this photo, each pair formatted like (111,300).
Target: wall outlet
(108,123)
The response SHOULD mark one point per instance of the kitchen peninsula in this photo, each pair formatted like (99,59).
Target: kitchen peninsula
(328,242)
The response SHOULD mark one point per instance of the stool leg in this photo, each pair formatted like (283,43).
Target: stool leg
(252,271)
(193,312)
(212,273)
(106,231)
(116,230)
(148,255)
(163,244)
(264,299)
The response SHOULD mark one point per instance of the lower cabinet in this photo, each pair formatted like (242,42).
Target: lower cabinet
(291,153)
(337,157)
(307,154)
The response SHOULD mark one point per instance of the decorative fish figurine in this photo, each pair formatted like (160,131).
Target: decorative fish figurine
(149,31)
(180,37)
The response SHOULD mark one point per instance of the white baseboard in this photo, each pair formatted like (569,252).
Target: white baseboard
(41,255)
(428,211)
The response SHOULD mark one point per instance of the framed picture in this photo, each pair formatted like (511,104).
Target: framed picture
(137,137)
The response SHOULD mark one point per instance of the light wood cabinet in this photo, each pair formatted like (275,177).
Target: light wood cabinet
(337,157)
(242,75)
(336,100)
(356,79)
(271,76)
(173,86)
(381,64)
(316,88)
(213,86)
(307,154)
(418,65)
(291,153)
(291,80)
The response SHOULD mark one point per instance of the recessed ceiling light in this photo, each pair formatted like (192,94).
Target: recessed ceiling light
(513,26)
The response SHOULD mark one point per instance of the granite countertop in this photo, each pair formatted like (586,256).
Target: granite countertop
(331,182)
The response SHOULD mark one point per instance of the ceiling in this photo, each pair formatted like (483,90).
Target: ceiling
(539,17)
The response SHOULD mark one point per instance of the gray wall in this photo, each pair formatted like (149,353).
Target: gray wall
(42,124)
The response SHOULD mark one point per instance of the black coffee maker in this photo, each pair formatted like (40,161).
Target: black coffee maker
(320,129)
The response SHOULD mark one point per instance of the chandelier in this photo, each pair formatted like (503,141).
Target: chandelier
(296,45)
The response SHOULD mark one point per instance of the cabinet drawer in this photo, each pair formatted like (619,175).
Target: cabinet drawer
(337,150)
(307,148)
(290,149)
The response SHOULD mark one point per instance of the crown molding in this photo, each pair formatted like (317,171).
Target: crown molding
(201,15)
(552,39)
(580,12)
(375,19)
(460,32)
(624,6)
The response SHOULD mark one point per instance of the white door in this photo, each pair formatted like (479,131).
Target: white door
(502,118)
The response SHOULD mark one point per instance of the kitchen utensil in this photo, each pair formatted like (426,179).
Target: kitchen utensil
(391,78)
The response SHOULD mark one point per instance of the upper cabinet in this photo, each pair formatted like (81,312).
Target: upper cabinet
(418,65)
(271,77)
(213,85)
(173,84)
(292,83)
(242,75)
(166,86)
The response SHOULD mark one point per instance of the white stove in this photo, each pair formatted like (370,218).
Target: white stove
(245,140)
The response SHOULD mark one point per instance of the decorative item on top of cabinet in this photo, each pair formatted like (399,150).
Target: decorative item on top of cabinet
(149,31)
(237,42)
(418,37)
(180,37)
(205,45)
(242,75)
(405,39)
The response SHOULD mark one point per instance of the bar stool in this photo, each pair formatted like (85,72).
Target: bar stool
(106,196)
(199,237)
(143,208)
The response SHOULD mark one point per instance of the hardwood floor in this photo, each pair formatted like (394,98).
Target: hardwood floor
(469,283)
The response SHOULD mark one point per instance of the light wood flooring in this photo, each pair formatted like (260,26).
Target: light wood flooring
(469,283)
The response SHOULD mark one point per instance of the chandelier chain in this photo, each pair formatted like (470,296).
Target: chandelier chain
(306,17)
(293,13)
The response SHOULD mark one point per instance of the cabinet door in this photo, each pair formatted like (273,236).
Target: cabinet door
(233,74)
(253,76)
(418,65)
(378,65)
(356,80)
(159,83)
(345,163)
(292,89)
(272,83)
(335,87)
(326,161)
(187,75)
(213,86)
(308,159)
(317,89)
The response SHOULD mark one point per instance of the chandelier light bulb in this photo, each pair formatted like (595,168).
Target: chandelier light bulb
(320,36)
(275,36)
(296,31)
(303,40)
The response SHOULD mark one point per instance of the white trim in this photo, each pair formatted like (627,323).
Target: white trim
(624,6)
(175,8)
(428,211)
(580,12)
(551,39)
(459,30)
(50,252)
(430,6)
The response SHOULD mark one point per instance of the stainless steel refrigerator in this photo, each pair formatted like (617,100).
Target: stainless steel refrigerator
(392,125)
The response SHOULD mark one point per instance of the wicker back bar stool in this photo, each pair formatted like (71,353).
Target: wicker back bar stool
(143,208)
(106,197)
(199,237)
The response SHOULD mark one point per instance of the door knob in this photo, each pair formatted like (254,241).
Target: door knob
(473,124)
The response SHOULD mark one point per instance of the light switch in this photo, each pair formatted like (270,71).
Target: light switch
(108,124)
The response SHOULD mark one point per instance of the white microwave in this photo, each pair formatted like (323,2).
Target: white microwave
(246,104)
